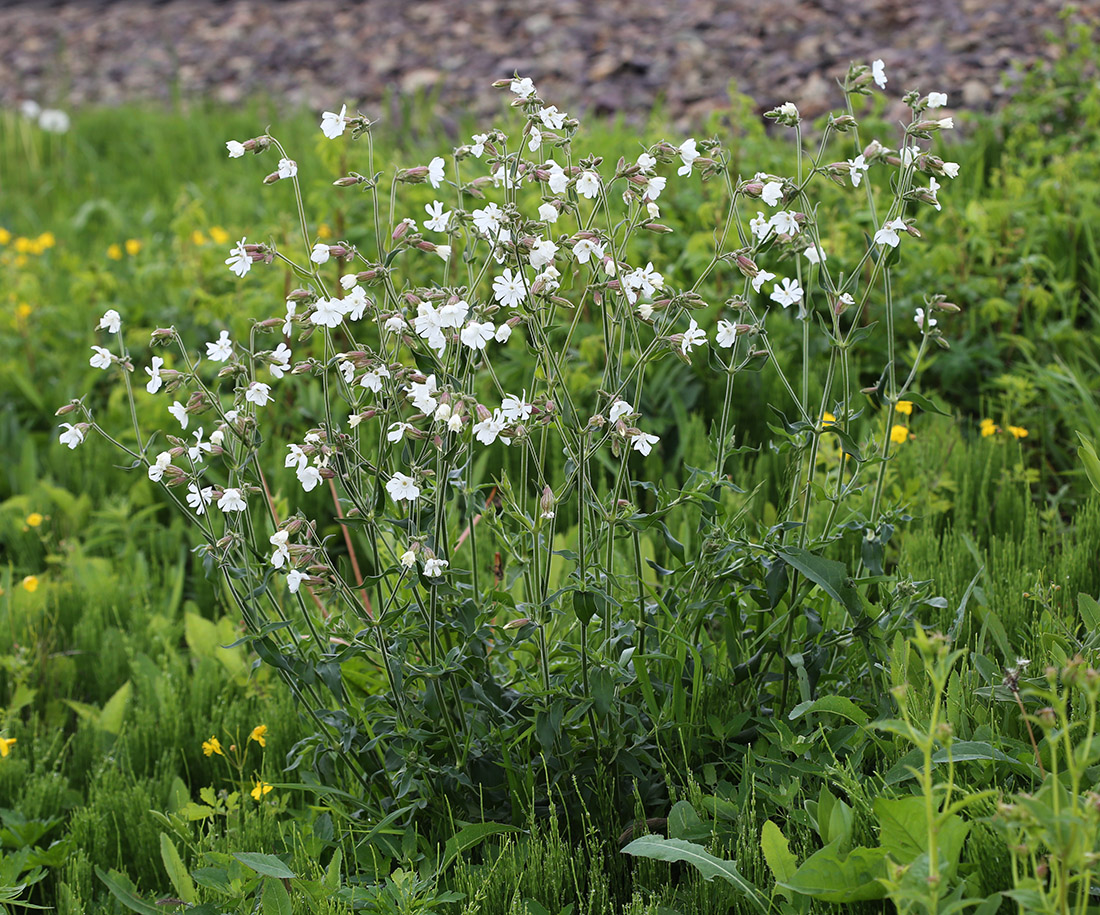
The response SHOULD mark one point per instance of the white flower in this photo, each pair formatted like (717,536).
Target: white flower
(878,71)
(856,168)
(489,428)
(588,184)
(435,171)
(654,186)
(179,411)
(294,580)
(951,169)
(396,431)
(348,280)
(433,568)
(552,118)
(407,559)
(535,139)
(72,436)
(453,314)
(523,87)
(239,260)
(296,457)
(309,476)
(503,333)
(515,409)
(946,123)
(196,451)
(727,334)
(762,277)
(327,312)
(421,394)
(110,322)
(790,293)
(509,290)
(478,147)
(52,120)
(619,409)
(646,162)
(643,442)
(155,381)
(101,359)
(258,393)
(694,336)
(760,226)
(332,124)
(236,150)
(487,220)
(543,253)
(221,349)
(772,193)
(586,248)
(475,335)
(280,363)
(813,256)
(395,324)
(288,168)
(548,212)
(281,556)
(936,99)
(688,155)
(232,501)
(784,223)
(909,154)
(443,252)
(355,303)
(549,279)
(439,219)
(921,318)
(933,188)
(888,234)
(320,253)
(198,499)
(288,325)
(402,487)
(156,469)
(788,111)
(372,380)
(558,179)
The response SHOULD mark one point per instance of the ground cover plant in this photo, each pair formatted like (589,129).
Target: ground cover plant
(494,745)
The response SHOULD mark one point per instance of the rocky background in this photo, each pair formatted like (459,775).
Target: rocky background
(605,56)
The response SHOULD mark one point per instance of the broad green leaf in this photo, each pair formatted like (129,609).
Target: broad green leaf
(469,836)
(1089,610)
(925,403)
(110,719)
(684,823)
(661,849)
(268,865)
(177,873)
(832,877)
(837,705)
(118,885)
(331,879)
(777,852)
(275,899)
(830,575)
(1087,454)
(904,831)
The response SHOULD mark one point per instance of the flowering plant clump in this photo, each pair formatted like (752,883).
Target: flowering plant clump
(458,550)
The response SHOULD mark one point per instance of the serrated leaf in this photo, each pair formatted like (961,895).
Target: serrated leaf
(777,853)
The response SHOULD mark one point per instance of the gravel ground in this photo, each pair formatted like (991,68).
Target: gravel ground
(606,56)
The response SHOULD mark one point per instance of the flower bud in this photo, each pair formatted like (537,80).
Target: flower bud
(68,408)
(747,266)
(547,502)
(162,335)
(299,295)
(348,181)
(658,228)
(418,174)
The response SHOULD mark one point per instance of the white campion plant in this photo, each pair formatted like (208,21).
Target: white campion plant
(521,243)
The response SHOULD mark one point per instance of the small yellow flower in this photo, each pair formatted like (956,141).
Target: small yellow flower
(988,428)
(114,252)
(219,235)
(5,236)
(133,246)
(6,745)
(323,231)
(1018,431)
(904,407)
(30,583)
(21,260)
(899,434)
(212,746)
(261,788)
(828,420)
(34,519)
(197,238)
(45,240)
(259,734)
(23,245)
(23,311)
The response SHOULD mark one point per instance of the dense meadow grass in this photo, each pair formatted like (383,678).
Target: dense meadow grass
(116,684)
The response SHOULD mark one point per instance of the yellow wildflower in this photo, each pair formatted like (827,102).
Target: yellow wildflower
(23,311)
(988,428)
(5,236)
(133,246)
(259,734)
(261,788)
(904,407)
(6,745)
(45,240)
(1018,431)
(899,434)
(212,746)
(197,238)
(24,245)
(30,583)
(323,231)
(219,235)
(114,252)
(827,420)
(34,519)
(21,260)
